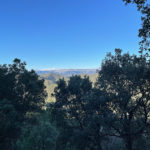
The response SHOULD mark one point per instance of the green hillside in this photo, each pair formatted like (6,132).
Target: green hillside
(50,83)
(92,77)
(51,77)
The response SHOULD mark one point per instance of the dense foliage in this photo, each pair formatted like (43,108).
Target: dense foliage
(111,114)
(118,106)
(22,97)
(126,80)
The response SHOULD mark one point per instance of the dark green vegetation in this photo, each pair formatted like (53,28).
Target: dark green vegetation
(22,99)
(118,106)
(111,114)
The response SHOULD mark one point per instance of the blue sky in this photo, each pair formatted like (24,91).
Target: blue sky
(66,33)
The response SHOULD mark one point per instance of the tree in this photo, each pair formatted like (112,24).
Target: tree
(21,93)
(41,136)
(98,119)
(69,108)
(8,125)
(126,81)
(81,114)
(144,7)
(73,111)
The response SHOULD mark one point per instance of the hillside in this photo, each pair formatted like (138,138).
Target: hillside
(52,78)
(50,83)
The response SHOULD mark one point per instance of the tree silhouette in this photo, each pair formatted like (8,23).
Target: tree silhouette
(126,81)
(21,93)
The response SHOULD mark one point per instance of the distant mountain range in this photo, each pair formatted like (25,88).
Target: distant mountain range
(68,72)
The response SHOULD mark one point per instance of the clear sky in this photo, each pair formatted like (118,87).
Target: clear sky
(66,33)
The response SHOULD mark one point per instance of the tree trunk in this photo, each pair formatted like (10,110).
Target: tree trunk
(129,143)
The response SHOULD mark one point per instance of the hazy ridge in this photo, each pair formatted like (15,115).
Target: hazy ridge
(67,72)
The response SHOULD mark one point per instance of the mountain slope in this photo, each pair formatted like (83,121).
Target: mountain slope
(52,78)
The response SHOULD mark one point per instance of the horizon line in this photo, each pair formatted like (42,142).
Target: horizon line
(51,69)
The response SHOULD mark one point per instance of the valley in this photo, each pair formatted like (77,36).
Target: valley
(52,76)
